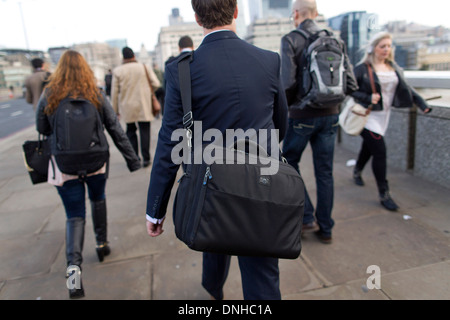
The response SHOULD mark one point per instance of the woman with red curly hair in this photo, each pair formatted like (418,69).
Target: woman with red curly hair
(73,78)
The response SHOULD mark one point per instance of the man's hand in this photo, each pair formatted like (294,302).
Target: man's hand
(154,230)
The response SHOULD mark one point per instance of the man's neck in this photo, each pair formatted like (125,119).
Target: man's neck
(231,27)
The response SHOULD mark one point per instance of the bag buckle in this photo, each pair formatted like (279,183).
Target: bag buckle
(187,120)
(189,137)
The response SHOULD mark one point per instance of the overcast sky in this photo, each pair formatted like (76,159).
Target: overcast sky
(51,23)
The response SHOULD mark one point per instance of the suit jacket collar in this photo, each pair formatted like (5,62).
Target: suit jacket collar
(221,35)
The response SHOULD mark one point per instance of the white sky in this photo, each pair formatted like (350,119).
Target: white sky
(51,23)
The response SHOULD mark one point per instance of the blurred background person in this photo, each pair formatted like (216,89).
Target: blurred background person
(131,99)
(74,79)
(35,83)
(391,90)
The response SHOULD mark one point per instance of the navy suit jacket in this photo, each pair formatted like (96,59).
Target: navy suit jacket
(235,85)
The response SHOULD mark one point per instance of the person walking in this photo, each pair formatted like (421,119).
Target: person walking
(235,85)
(391,90)
(131,100)
(108,83)
(308,123)
(35,83)
(73,79)
(185,45)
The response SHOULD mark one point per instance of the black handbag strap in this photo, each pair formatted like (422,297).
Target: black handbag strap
(184,75)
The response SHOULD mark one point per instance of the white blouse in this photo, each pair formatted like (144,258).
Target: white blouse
(378,121)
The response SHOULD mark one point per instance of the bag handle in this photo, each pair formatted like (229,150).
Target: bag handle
(242,144)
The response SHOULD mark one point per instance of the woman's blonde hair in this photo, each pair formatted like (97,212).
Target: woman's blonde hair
(72,78)
(370,48)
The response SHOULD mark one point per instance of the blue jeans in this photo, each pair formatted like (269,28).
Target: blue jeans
(320,132)
(73,194)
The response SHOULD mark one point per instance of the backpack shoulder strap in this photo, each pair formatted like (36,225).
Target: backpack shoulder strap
(305,34)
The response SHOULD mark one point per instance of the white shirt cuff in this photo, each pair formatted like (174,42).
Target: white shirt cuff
(153,220)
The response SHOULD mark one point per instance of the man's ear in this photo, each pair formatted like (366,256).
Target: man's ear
(197,19)
(236,13)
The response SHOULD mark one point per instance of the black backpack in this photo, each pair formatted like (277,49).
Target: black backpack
(324,74)
(79,143)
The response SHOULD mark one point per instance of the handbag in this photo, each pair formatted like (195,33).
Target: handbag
(353,117)
(156,106)
(233,208)
(36,156)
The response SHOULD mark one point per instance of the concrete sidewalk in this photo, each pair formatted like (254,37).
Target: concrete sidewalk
(411,247)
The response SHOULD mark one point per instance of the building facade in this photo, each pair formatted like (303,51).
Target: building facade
(15,67)
(267,33)
(101,57)
(356,29)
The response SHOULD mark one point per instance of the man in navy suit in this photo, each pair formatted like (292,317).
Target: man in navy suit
(234,86)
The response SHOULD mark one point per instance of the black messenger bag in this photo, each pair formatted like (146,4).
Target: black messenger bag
(234,208)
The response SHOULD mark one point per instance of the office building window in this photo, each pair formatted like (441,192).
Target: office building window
(275,4)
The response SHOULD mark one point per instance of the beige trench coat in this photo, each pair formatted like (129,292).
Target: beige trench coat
(130,92)
(34,86)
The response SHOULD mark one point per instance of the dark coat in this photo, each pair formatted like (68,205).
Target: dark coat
(405,95)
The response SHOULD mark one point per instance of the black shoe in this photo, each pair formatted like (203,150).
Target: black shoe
(387,201)
(323,238)
(74,283)
(357,178)
(103,250)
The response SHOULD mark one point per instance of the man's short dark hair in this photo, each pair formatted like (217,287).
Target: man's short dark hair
(37,63)
(214,13)
(185,42)
(127,53)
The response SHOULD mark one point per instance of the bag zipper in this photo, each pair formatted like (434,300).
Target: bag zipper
(67,130)
(198,209)
(208,176)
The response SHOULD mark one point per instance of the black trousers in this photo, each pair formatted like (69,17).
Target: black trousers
(144,135)
(374,147)
(260,276)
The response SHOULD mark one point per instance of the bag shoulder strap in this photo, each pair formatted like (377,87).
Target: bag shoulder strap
(305,34)
(184,75)
(148,79)
(309,36)
(372,81)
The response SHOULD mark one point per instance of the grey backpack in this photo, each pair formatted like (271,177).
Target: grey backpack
(324,73)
